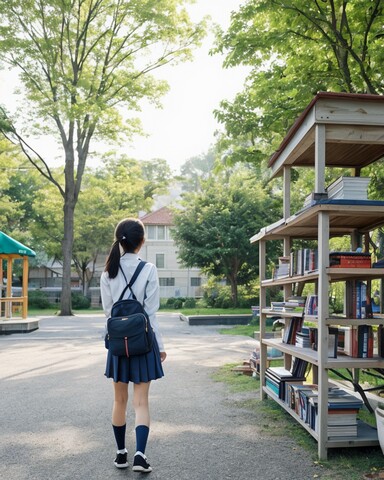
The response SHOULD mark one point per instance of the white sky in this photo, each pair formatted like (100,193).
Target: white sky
(185,126)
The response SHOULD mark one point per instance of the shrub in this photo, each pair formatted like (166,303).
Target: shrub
(178,303)
(80,301)
(189,303)
(38,299)
(170,302)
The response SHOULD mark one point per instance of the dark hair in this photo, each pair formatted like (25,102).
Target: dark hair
(129,233)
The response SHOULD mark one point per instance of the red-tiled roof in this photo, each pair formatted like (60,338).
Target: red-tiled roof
(159,217)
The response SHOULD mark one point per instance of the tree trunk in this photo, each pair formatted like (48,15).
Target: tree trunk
(66,300)
(233,281)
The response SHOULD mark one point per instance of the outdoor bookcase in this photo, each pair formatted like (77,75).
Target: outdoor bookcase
(335,130)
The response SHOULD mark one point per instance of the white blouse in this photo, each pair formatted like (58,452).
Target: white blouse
(145,288)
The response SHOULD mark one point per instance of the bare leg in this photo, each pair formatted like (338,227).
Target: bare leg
(119,410)
(141,404)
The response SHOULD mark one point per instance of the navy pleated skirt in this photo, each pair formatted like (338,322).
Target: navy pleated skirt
(136,369)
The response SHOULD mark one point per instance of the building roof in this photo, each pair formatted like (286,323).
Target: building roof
(163,216)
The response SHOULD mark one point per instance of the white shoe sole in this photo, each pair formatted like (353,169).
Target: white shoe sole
(138,468)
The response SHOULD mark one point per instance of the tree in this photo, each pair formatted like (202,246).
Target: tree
(109,193)
(83,63)
(197,169)
(213,229)
(295,48)
(19,182)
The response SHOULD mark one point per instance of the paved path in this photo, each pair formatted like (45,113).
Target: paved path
(56,403)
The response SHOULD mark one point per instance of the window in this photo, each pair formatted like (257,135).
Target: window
(166,282)
(160,260)
(161,232)
(156,232)
(151,229)
(195,281)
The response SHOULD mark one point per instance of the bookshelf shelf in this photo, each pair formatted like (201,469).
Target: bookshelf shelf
(335,275)
(353,321)
(310,277)
(305,353)
(311,356)
(366,435)
(279,313)
(324,138)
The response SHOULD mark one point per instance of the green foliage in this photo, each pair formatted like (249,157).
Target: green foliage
(80,301)
(189,303)
(294,50)
(220,296)
(196,170)
(214,226)
(84,68)
(38,299)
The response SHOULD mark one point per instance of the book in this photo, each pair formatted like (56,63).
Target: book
(349,260)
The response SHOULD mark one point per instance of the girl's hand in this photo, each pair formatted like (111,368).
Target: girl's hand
(163,356)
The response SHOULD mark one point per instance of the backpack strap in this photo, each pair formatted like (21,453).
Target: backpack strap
(133,279)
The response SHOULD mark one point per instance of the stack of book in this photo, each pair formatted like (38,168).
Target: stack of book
(349,260)
(277,306)
(276,377)
(302,338)
(342,413)
(295,304)
(355,188)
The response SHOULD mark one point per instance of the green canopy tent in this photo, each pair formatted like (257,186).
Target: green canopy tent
(10,250)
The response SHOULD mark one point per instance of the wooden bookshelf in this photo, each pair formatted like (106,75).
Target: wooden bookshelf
(331,132)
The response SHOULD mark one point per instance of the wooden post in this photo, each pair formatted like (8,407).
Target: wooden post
(24,291)
(323,313)
(1,285)
(320,158)
(286,192)
(8,305)
(262,305)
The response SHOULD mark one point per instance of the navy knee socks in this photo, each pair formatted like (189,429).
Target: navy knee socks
(120,436)
(142,432)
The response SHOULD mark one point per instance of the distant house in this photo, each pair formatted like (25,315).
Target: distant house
(160,249)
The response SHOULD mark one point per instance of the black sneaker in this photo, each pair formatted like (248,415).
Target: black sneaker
(140,464)
(121,460)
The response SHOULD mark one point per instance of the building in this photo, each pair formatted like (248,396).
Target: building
(160,249)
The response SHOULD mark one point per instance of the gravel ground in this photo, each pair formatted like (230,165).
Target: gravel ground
(56,406)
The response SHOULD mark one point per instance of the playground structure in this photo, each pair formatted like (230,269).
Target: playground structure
(13,306)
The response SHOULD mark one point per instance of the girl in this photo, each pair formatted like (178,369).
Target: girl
(139,369)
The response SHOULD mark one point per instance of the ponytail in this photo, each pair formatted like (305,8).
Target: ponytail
(113,261)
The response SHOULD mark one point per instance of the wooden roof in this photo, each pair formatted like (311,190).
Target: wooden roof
(354,132)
